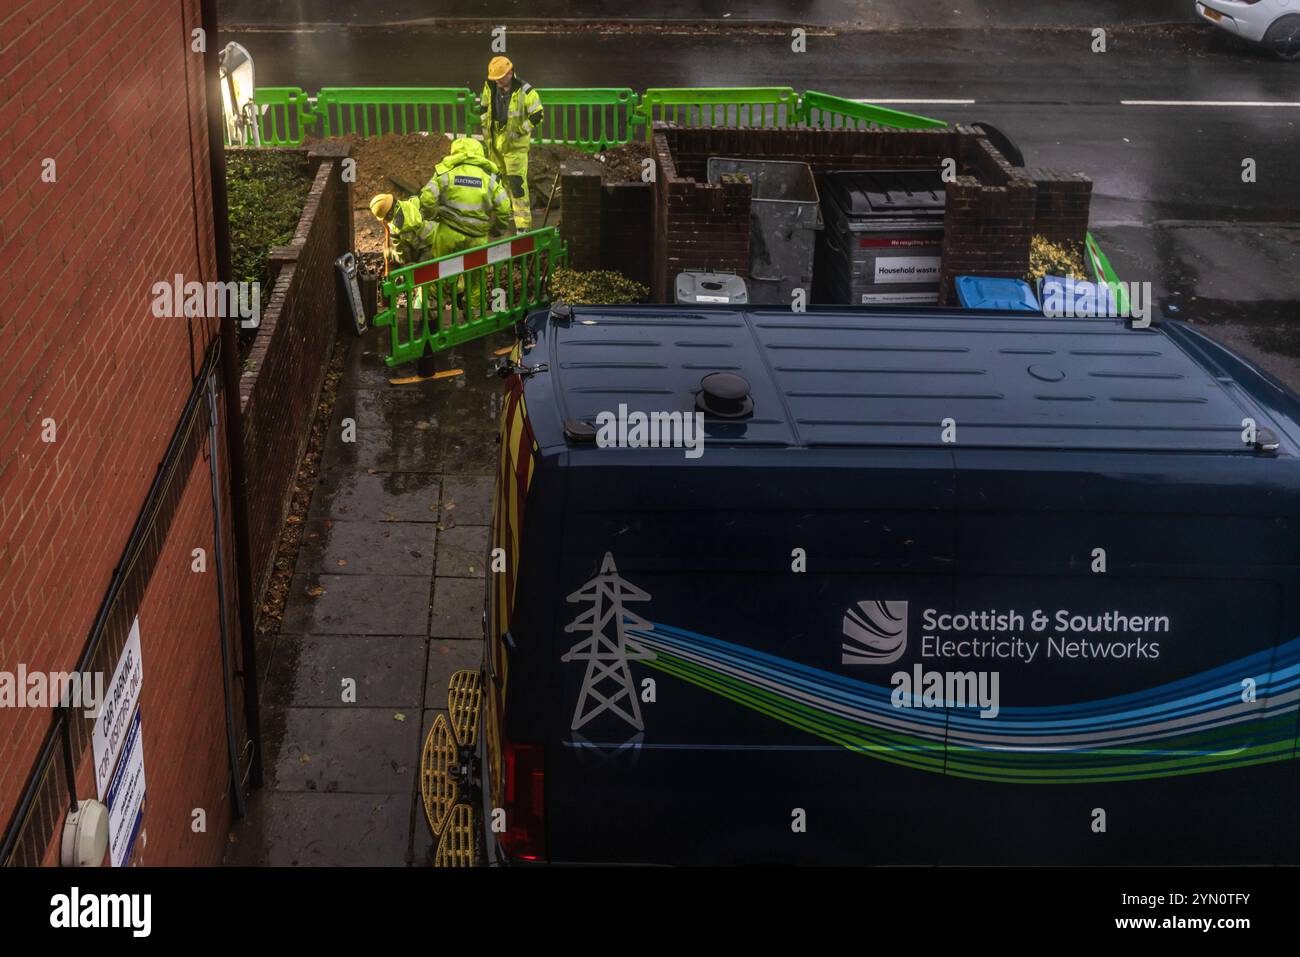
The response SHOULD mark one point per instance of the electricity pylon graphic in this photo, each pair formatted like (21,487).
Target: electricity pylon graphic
(608,685)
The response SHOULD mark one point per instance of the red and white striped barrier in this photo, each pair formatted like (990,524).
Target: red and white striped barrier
(454,265)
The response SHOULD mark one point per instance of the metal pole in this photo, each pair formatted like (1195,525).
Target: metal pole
(245,597)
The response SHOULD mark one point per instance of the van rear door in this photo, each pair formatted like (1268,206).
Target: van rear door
(1157,720)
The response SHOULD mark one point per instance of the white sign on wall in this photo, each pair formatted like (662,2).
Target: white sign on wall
(908,268)
(116,710)
(126,797)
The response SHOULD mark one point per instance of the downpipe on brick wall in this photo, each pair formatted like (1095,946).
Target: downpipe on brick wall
(244,596)
(223,606)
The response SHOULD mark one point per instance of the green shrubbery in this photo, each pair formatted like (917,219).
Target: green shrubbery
(1054,259)
(265,193)
(598,287)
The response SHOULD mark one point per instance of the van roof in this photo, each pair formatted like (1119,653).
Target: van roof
(888,377)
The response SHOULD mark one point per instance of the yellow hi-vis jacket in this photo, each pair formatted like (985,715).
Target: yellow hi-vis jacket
(410,232)
(465,192)
(523,115)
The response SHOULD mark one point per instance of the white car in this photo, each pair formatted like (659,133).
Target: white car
(1274,23)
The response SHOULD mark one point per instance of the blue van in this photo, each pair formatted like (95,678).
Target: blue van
(937,587)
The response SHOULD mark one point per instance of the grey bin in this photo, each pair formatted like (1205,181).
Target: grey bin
(785,215)
(703,288)
(884,237)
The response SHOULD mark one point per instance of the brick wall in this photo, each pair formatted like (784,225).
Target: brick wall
(1061,210)
(993,208)
(286,364)
(130,205)
(626,229)
(988,220)
(986,232)
(697,225)
(581,221)
(823,150)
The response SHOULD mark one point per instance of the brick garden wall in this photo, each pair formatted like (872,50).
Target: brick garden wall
(129,205)
(823,150)
(286,364)
(581,222)
(697,224)
(988,220)
(608,226)
(993,208)
(627,229)
(1061,210)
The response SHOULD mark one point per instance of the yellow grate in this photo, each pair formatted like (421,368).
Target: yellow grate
(464,693)
(437,786)
(456,846)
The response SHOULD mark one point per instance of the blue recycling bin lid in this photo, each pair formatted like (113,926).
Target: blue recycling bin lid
(1076,298)
(987,292)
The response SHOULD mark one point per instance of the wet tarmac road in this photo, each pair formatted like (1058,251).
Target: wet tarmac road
(870,14)
(1169,203)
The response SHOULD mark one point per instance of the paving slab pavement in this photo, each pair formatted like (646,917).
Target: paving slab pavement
(344,493)
(462,551)
(305,829)
(385,605)
(385,670)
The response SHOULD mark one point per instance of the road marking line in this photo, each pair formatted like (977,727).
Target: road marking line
(1209,103)
(921,102)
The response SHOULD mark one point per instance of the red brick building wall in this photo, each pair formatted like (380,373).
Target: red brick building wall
(111,91)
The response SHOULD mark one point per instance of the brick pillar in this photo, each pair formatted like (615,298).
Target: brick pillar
(580,222)
(986,231)
(626,229)
(1062,208)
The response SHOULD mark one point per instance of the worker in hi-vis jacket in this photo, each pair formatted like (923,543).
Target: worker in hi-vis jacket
(510,111)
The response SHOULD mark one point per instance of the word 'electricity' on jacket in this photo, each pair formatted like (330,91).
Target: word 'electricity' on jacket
(466,192)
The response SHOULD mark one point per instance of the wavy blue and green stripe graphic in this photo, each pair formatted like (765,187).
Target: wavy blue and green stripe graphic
(1194,725)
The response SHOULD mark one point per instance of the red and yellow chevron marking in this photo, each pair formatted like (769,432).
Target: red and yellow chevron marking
(514,476)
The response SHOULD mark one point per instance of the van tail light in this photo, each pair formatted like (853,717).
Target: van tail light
(525,801)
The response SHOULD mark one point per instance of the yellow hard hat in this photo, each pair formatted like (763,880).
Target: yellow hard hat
(499,67)
(381,204)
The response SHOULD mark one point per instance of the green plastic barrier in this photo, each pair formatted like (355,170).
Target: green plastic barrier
(439,304)
(377,111)
(752,106)
(1102,271)
(284,115)
(824,111)
(589,119)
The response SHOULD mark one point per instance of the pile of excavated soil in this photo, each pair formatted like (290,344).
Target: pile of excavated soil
(398,163)
(401,164)
(623,164)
